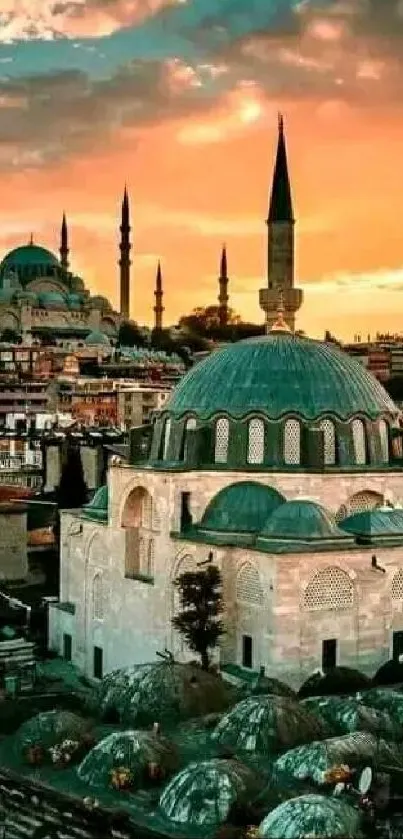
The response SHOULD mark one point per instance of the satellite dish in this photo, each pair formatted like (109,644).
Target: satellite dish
(365,780)
(339,788)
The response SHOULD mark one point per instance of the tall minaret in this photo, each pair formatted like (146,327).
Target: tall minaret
(223,289)
(64,246)
(158,294)
(280,255)
(124,261)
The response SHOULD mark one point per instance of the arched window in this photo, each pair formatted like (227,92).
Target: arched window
(248,586)
(292,442)
(330,589)
(190,425)
(384,440)
(137,510)
(397,585)
(256,441)
(359,503)
(221,440)
(150,559)
(359,442)
(167,434)
(329,441)
(97,598)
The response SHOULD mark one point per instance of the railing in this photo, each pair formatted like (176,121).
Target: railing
(20,461)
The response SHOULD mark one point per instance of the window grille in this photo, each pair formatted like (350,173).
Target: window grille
(384,440)
(190,425)
(142,555)
(397,585)
(221,440)
(167,434)
(156,517)
(248,587)
(97,597)
(329,441)
(359,442)
(150,558)
(292,442)
(147,511)
(329,589)
(256,441)
(364,501)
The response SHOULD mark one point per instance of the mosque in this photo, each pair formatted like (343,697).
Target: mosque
(42,300)
(279,459)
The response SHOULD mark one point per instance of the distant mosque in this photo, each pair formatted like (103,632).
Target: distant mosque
(41,299)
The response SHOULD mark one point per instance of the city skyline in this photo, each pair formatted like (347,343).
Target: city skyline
(180,101)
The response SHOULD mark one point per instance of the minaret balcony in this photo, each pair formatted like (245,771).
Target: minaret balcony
(292,299)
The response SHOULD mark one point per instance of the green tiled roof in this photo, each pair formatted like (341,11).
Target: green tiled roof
(312,815)
(97,338)
(376,522)
(302,520)
(241,508)
(280,374)
(28,255)
(97,509)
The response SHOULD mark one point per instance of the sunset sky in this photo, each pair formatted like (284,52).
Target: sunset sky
(179,98)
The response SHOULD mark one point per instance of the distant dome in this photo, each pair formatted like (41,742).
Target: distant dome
(203,793)
(76,284)
(265,724)
(50,728)
(241,507)
(52,300)
(74,301)
(97,509)
(97,339)
(99,302)
(28,255)
(312,815)
(280,374)
(303,520)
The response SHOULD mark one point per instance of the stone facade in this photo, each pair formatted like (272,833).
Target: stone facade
(118,576)
(13,542)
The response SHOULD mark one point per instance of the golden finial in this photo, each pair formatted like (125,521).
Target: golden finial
(280,325)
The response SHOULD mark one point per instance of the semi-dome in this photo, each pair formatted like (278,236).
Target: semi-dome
(279,374)
(97,509)
(29,255)
(52,300)
(302,520)
(241,507)
(96,338)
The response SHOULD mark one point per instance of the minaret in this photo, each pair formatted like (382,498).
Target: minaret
(223,289)
(158,294)
(280,255)
(124,261)
(64,246)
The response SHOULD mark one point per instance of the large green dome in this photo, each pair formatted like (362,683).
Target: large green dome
(28,255)
(280,374)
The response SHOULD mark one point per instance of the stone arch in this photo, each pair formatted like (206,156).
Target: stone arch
(137,508)
(94,549)
(360,502)
(330,589)
(248,585)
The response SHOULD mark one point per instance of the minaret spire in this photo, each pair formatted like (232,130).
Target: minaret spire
(280,247)
(64,245)
(124,261)
(223,288)
(158,294)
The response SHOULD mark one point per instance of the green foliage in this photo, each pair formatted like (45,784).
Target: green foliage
(201,602)
(130,335)
(205,323)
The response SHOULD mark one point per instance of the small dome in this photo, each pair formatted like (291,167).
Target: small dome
(339,680)
(385,700)
(241,507)
(302,520)
(52,300)
(203,793)
(28,255)
(132,750)
(265,724)
(76,284)
(280,374)
(97,509)
(50,728)
(348,714)
(99,302)
(74,301)
(97,339)
(374,523)
(149,692)
(312,815)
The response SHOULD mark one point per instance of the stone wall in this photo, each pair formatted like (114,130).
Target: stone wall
(13,543)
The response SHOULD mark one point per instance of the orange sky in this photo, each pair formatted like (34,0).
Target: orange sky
(198,174)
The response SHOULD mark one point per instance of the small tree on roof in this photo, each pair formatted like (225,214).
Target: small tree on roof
(201,601)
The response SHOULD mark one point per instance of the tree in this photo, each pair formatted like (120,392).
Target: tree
(130,335)
(205,323)
(200,594)
(72,490)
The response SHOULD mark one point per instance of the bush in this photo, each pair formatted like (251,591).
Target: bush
(338,681)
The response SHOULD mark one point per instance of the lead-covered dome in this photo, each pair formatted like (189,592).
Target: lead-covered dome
(28,255)
(278,374)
